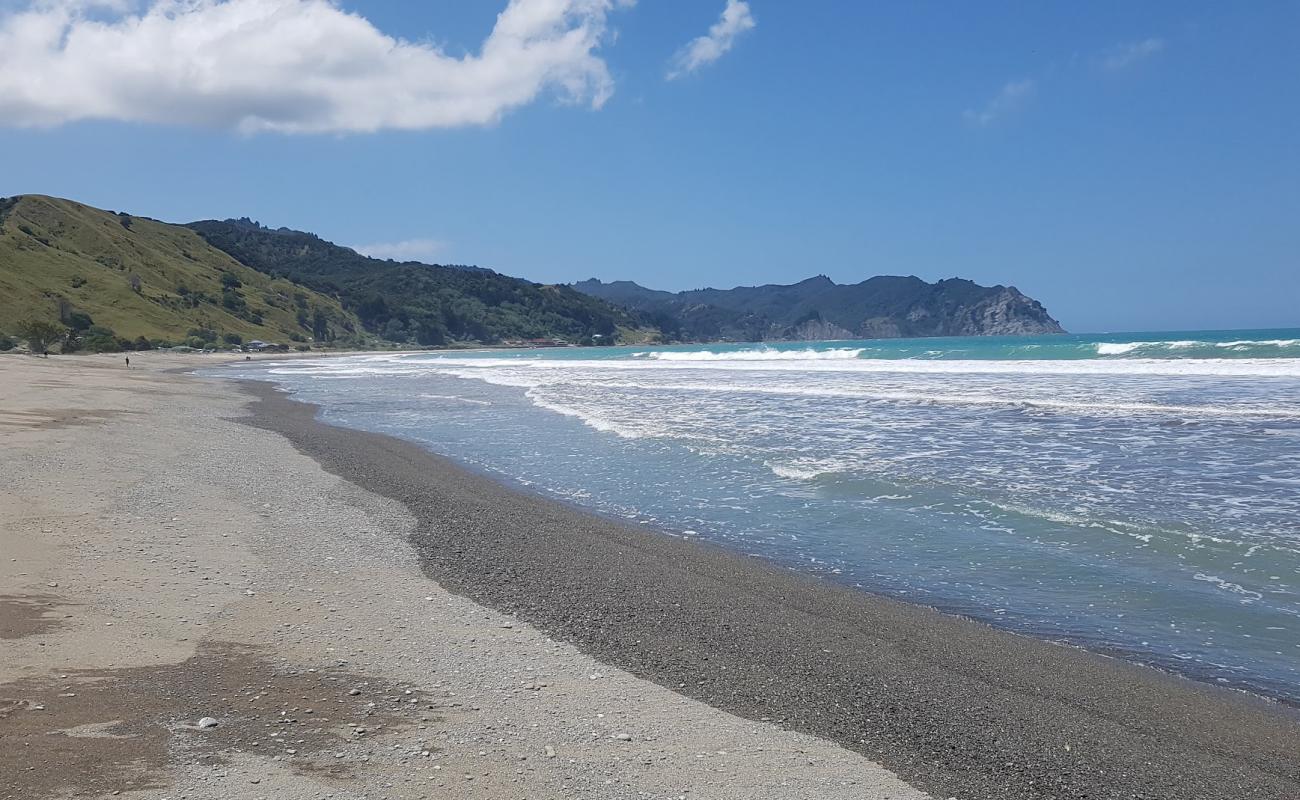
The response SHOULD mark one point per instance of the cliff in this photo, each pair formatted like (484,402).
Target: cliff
(819,308)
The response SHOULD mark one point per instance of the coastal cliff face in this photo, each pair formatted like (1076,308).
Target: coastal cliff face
(818,308)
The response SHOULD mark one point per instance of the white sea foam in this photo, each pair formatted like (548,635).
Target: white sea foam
(1119,348)
(921,396)
(1247,595)
(1260,343)
(808,469)
(1242,345)
(870,381)
(793,472)
(762,354)
(593,420)
(1210,367)
(456,398)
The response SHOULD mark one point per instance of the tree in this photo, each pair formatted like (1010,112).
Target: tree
(79,321)
(100,339)
(39,334)
(395,331)
(320,329)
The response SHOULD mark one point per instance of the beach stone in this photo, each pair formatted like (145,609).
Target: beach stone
(622,737)
(207,722)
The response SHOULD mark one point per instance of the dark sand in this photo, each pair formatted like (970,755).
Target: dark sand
(93,732)
(953,706)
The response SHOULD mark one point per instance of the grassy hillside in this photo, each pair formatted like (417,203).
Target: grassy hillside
(142,278)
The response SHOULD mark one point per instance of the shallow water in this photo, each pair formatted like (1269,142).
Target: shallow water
(1137,494)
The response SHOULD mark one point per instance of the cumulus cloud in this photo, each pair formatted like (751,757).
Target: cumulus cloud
(735,20)
(405,250)
(293,66)
(1013,95)
(1126,55)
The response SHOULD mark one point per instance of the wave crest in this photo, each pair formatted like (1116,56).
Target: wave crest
(761,354)
(1264,346)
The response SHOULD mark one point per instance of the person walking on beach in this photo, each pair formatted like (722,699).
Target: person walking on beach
(128,362)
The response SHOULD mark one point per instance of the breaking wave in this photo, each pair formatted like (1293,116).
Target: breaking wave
(761,354)
(1259,348)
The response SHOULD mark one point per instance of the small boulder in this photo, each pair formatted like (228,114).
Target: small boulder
(207,722)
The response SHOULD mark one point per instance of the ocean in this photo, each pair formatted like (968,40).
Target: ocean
(1133,494)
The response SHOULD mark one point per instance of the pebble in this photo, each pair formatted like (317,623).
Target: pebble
(207,722)
(622,737)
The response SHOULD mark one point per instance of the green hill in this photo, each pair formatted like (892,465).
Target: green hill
(66,262)
(427,304)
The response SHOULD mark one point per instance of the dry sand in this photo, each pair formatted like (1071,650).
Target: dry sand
(161,562)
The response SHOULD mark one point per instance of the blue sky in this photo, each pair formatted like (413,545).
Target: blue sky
(1134,166)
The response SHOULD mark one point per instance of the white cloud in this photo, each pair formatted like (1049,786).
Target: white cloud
(406,250)
(735,20)
(1012,96)
(294,66)
(1126,55)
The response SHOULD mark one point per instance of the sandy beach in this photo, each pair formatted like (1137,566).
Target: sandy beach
(164,562)
(363,619)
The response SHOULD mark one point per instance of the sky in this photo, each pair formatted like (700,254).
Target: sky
(1134,166)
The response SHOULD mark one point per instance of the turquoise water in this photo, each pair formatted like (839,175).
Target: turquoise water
(1137,494)
(1238,344)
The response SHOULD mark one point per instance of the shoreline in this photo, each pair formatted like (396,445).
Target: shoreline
(165,562)
(953,706)
(1286,703)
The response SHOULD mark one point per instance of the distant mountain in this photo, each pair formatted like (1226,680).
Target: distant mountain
(425,304)
(117,281)
(819,308)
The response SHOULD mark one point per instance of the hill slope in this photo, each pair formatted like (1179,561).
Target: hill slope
(819,308)
(140,278)
(425,303)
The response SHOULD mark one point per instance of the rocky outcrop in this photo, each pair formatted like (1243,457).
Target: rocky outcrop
(819,308)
